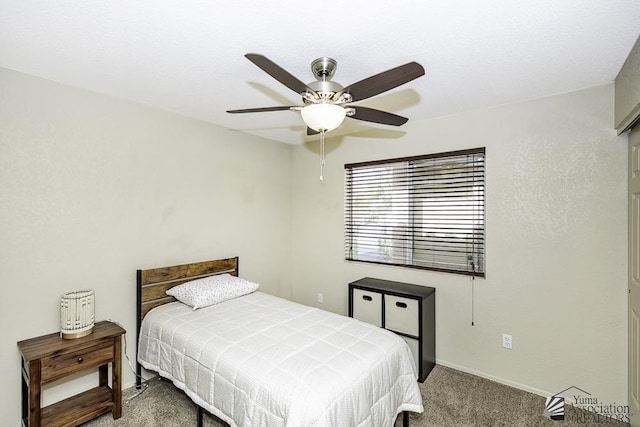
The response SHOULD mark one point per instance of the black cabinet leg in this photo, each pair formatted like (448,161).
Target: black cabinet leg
(199,416)
(405,419)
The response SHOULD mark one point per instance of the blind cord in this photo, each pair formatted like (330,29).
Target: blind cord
(473,287)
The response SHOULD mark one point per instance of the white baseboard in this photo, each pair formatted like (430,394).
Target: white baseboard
(519,386)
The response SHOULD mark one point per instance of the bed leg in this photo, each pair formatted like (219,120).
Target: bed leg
(405,419)
(138,376)
(199,416)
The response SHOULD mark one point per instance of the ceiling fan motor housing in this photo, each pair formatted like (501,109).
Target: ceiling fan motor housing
(323,69)
(325,88)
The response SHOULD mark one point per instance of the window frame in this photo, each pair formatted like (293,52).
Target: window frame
(473,230)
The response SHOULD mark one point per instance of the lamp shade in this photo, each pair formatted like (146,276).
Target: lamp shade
(321,117)
(77,314)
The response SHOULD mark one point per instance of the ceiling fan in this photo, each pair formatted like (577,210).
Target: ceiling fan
(327,103)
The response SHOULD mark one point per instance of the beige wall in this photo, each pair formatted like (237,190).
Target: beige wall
(556,241)
(93,188)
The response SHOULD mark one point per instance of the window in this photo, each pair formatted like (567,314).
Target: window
(423,212)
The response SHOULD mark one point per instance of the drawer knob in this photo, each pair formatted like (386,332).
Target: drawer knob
(367,298)
(401,304)
(80,359)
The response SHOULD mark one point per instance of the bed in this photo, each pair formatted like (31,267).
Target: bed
(260,360)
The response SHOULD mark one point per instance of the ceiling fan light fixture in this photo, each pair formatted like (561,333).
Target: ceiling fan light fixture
(323,117)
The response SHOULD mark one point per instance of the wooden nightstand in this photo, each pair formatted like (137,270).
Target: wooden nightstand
(49,358)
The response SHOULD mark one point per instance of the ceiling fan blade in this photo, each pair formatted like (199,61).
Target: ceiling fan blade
(384,81)
(260,110)
(279,73)
(377,116)
(311,131)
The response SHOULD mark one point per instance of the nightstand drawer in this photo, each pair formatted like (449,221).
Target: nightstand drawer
(367,306)
(62,365)
(401,314)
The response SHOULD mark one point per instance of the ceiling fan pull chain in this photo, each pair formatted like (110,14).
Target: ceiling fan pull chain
(322,155)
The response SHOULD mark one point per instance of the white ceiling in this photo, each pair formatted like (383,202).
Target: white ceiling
(187,56)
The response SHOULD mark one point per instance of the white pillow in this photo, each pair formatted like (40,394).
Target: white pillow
(211,290)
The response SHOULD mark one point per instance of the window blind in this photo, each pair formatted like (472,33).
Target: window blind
(423,212)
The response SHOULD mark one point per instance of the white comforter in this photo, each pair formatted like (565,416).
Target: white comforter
(260,360)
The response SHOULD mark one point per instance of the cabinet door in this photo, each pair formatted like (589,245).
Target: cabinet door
(367,306)
(401,315)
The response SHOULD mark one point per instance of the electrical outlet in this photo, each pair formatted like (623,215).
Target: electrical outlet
(507,341)
(320,298)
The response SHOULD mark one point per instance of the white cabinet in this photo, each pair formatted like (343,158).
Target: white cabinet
(368,306)
(401,315)
(406,309)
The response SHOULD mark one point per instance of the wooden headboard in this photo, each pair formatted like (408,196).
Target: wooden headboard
(153,283)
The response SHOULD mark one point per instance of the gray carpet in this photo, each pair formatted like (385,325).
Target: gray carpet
(451,398)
